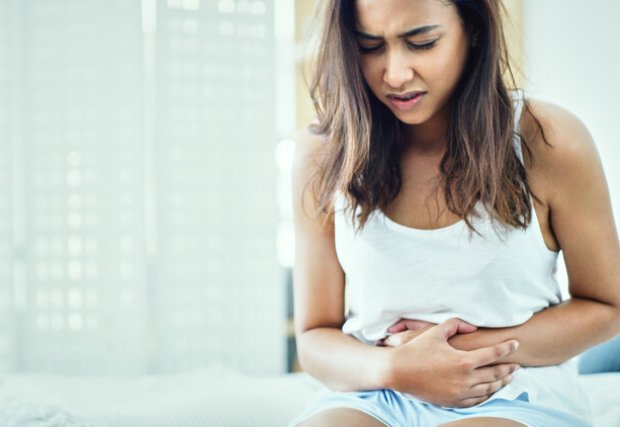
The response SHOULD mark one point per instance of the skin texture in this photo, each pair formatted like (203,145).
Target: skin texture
(453,364)
(349,364)
(400,65)
(575,215)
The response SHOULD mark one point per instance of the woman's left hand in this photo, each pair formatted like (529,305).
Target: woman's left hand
(404,331)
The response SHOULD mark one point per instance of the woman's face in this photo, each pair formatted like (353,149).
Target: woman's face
(412,54)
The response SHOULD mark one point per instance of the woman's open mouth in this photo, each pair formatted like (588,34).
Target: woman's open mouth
(406,101)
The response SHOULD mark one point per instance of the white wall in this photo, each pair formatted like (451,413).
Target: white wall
(572,58)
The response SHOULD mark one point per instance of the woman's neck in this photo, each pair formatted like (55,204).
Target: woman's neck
(428,138)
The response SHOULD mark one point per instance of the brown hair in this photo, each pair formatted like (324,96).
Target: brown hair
(362,136)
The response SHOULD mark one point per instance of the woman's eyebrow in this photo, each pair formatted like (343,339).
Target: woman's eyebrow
(410,33)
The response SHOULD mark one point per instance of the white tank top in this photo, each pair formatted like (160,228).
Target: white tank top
(497,279)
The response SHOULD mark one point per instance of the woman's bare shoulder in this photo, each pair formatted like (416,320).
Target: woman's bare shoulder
(308,146)
(559,141)
(579,201)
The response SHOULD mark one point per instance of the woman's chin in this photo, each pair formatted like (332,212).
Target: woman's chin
(410,119)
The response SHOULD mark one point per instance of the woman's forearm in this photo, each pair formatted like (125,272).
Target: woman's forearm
(427,367)
(340,361)
(553,335)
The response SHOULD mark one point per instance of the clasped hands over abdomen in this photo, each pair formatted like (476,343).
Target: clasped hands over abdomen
(424,364)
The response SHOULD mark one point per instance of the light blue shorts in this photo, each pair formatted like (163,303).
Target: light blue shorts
(396,409)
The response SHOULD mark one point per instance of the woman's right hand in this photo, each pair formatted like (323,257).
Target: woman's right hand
(445,376)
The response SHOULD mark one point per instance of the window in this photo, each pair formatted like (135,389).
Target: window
(138,142)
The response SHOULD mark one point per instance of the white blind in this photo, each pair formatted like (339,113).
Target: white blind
(6,270)
(144,170)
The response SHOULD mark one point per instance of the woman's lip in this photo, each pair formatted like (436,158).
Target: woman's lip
(404,95)
(405,105)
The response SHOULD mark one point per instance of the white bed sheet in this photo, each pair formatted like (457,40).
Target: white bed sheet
(215,396)
(604,394)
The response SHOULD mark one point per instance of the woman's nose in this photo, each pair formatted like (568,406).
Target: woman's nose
(397,71)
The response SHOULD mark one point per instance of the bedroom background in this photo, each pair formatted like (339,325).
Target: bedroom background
(145,221)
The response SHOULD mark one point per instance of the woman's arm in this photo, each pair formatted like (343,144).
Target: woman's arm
(429,368)
(339,361)
(570,179)
(551,336)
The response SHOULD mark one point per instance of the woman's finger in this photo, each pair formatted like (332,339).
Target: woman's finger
(492,354)
(488,374)
(408,324)
(469,402)
(488,389)
(400,338)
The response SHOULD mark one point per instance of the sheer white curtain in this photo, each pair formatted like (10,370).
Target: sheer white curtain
(6,269)
(138,209)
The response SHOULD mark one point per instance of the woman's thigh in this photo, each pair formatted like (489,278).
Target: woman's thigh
(483,422)
(338,417)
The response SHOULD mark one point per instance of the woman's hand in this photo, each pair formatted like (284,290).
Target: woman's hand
(443,375)
(404,331)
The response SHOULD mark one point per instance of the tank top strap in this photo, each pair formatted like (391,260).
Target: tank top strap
(518,98)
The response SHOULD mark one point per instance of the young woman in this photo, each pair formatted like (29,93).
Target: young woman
(441,199)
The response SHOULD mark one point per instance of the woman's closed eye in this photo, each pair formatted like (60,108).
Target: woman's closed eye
(411,45)
(422,46)
(370,49)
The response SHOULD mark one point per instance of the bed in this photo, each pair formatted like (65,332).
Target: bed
(216,396)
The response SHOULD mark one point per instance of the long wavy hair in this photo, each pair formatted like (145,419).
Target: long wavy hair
(360,155)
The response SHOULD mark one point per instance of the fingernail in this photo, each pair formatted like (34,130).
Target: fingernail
(516,367)
(509,377)
(515,345)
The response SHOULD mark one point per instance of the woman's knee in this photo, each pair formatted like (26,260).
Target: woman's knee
(338,417)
